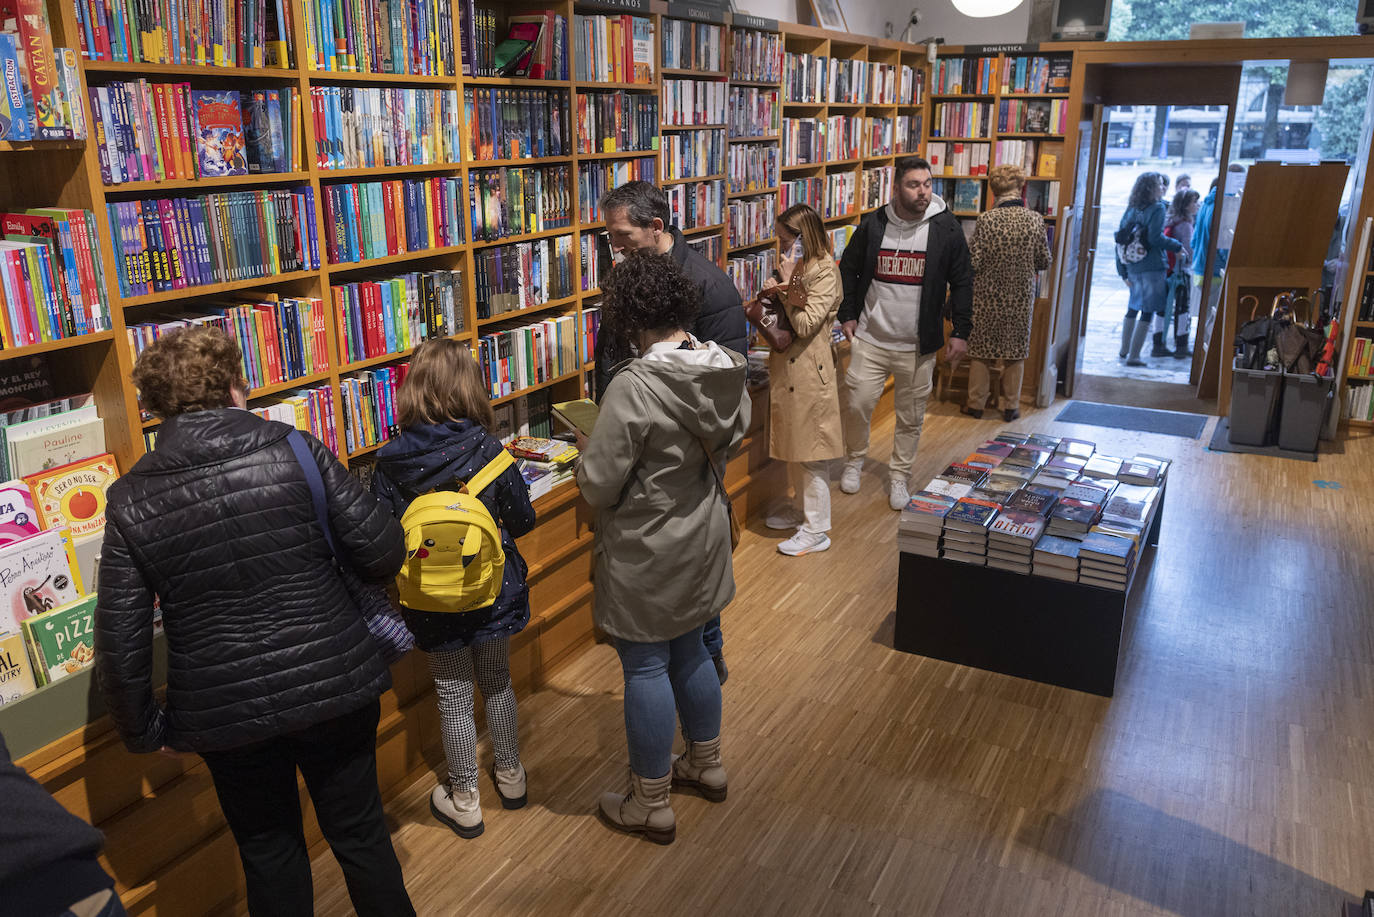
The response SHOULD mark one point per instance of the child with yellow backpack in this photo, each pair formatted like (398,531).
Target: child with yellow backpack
(462,590)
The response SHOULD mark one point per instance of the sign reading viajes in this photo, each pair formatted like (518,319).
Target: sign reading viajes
(746,21)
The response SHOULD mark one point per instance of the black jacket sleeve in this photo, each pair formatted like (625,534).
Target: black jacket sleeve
(124,645)
(960,277)
(363,525)
(722,315)
(851,274)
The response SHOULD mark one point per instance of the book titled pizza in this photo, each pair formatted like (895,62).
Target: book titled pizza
(16,671)
(62,640)
(73,496)
(217,119)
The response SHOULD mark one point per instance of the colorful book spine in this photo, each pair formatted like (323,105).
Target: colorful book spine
(380,36)
(374,318)
(754,112)
(694,154)
(218,33)
(964,75)
(694,102)
(693,45)
(514,201)
(752,167)
(364,127)
(753,271)
(596,178)
(756,56)
(808,191)
(524,275)
(368,403)
(515,359)
(51,277)
(697,205)
(310,410)
(365,220)
(616,122)
(508,124)
(613,49)
(751,220)
(962,119)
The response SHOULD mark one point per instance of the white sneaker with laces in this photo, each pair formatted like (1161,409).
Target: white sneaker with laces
(849,478)
(897,495)
(804,542)
(786,519)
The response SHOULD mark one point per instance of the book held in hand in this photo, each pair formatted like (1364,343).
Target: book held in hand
(577,415)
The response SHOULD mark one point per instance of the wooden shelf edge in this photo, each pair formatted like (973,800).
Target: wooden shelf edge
(214,289)
(122,68)
(551,306)
(208,184)
(78,340)
(348,266)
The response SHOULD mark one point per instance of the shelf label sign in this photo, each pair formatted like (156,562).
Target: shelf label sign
(1024,48)
(634,6)
(746,21)
(699,11)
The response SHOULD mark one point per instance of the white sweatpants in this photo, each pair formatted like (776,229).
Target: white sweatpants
(912,374)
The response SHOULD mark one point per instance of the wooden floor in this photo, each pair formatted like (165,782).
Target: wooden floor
(1232,774)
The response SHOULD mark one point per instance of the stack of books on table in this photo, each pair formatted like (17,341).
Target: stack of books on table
(1014,533)
(544,463)
(918,529)
(966,527)
(1056,557)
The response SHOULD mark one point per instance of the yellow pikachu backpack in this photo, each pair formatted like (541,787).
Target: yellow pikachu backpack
(454,560)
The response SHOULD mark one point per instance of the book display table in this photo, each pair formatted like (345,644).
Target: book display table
(1058,633)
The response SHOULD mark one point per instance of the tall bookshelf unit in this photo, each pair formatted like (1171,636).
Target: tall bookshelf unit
(979,101)
(168,846)
(755,155)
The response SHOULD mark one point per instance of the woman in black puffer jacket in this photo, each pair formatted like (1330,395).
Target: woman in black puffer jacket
(270,664)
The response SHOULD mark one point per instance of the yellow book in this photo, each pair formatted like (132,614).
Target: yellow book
(578,415)
(1048,166)
(16,669)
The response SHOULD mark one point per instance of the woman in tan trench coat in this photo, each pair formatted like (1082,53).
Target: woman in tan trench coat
(804,415)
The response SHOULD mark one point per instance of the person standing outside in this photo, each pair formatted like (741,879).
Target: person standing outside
(1178,225)
(1009,246)
(905,267)
(638,219)
(1144,278)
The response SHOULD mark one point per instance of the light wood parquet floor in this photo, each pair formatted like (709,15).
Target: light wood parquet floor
(1232,774)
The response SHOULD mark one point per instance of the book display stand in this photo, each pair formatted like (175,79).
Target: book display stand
(1058,633)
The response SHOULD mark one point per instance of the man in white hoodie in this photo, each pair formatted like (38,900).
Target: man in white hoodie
(906,266)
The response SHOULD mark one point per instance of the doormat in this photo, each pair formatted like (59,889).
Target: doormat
(1221,442)
(1169,423)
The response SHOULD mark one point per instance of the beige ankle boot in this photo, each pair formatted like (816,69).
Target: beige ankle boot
(511,786)
(461,810)
(699,767)
(644,810)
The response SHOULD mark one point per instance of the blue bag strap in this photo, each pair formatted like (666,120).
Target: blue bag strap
(315,480)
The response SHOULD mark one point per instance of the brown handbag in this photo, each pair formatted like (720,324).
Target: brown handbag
(768,314)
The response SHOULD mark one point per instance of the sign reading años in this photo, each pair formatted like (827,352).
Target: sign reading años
(697,10)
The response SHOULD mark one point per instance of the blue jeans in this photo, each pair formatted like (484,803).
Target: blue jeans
(112,908)
(712,636)
(661,679)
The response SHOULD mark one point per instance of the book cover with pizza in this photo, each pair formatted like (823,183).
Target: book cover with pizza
(62,640)
(217,119)
(37,574)
(18,517)
(16,671)
(73,496)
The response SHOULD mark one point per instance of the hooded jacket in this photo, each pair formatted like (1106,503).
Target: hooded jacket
(947,285)
(436,457)
(1156,243)
(662,550)
(262,636)
(721,318)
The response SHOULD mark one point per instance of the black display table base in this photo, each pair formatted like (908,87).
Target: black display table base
(1066,634)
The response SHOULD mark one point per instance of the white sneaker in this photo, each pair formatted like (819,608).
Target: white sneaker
(897,495)
(461,810)
(804,542)
(849,478)
(786,519)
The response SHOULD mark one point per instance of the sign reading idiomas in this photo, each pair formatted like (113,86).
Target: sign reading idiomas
(697,11)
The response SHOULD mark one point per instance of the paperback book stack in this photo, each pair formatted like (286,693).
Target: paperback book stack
(918,530)
(1013,534)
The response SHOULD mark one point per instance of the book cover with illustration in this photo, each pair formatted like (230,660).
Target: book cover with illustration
(217,120)
(37,574)
(15,105)
(62,640)
(73,496)
(51,441)
(16,671)
(28,21)
(18,516)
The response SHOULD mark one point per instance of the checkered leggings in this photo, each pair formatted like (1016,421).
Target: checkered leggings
(487,666)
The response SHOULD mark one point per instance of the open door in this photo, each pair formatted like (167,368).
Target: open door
(1080,251)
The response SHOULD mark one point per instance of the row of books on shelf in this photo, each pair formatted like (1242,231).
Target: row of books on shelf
(879,136)
(365,220)
(753,271)
(908,134)
(613,49)
(986,75)
(279,339)
(809,191)
(1033,116)
(595,249)
(839,238)
(876,186)
(952,157)
(368,402)
(533,45)
(821,140)
(839,197)
(368,127)
(42,89)
(380,317)
(961,195)
(709,247)
(1361,356)
(751,220)
(752,167)
(1041,505)
(696,205)
(961,119)
(523,275)
(693,45)
(1035,158)
(594,179)
(219,33)
(616,122)
(821,80)
(690,102)
(1366,311)
(52,277)
(168,244)
(693,154)
(310,410)
(1358,403)
(518,358)
(514,201)
(756,56)
(754,112)
(161,131)
(516,123)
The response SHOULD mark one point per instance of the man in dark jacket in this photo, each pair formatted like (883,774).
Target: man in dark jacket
(638,218)
(270,664)
(905,267)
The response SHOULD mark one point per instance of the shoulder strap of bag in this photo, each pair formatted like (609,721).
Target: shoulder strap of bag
(316,483)
(490,472)
(715,472)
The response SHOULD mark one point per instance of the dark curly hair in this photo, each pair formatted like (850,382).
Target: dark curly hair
(1146,191)
(190,369)
(648,292)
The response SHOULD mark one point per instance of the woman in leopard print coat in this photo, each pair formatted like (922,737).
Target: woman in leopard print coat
(1008,247)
